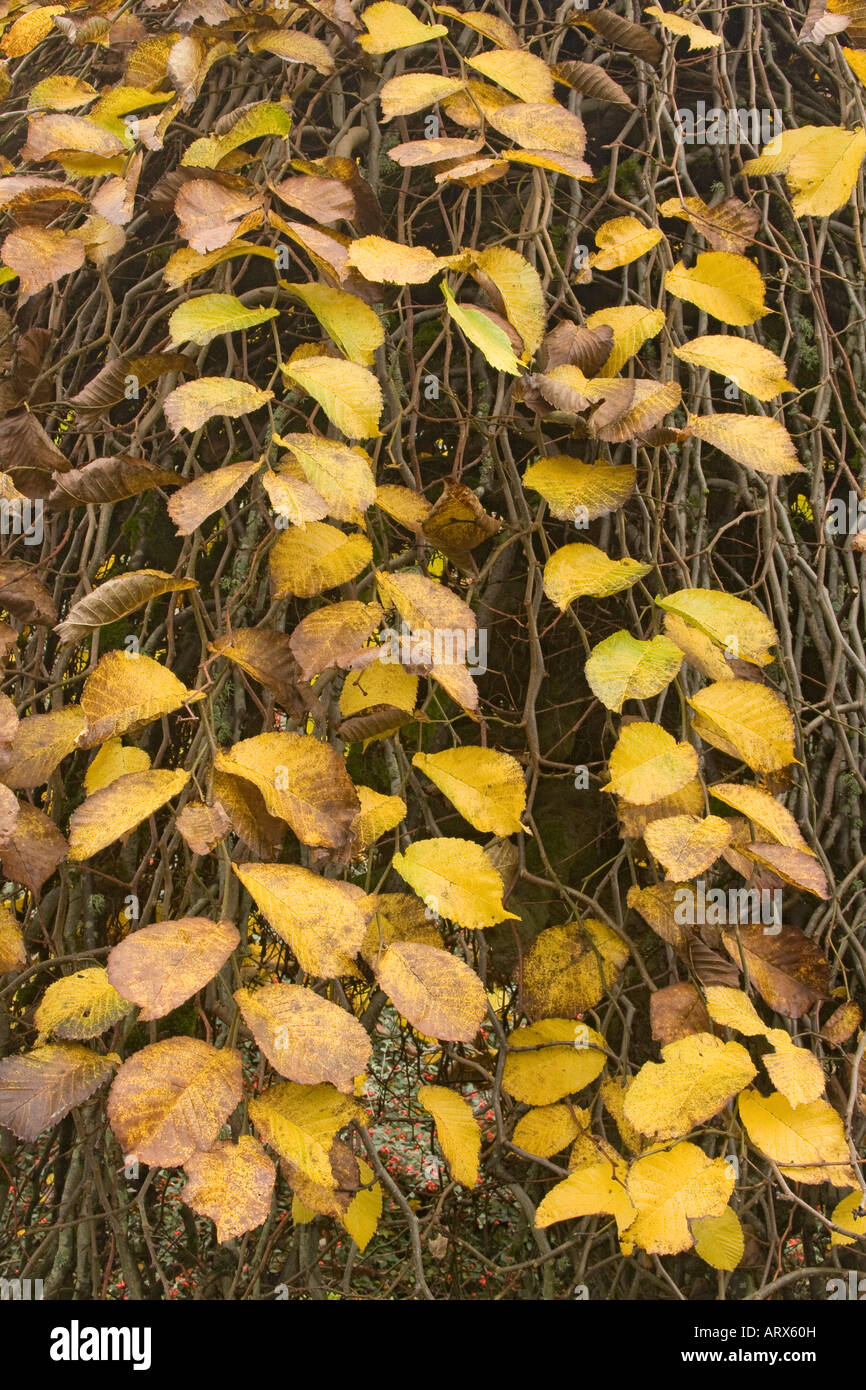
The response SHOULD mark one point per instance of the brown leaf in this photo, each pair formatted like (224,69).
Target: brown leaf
(40,256)
(211,215)
(115,599)
(621,33)
(161,966)
(251,820)
(203,826)
(29,455)
(170,1099)
(38,1088)
(786,968)
(304,1037)
(375,720)
(842,1023)
(796,866)
(267,656)
(110,384)
(457,521)
(24,596)
(592,81)
(325,200)
(333,636)
(677,1011)
(33,850)
(60,131)
(710,967)
(108,480)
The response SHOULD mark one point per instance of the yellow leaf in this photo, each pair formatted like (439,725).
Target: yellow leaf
(398,917)
(519,72)
(740,627)
(302,780)
(301,1123)
(577,571)
(580,491)
(193,503)
(697,35)
(61,93)
(719,1240)
(342,476)
(668,1190)
(319,557)
(439,994)
(540,125)
(379,814)
(354,326)
(305,1037)
(748,721)
(185,264)
(568,969)
(232,1184)
(109,814)
(537,1072)
(486,786)
(349,394)
(411,92)
(621,668)
(795,1072)
(806,1141)
(171,1099)
(632,326)
(125,692)
(486,335)
(696,1079)
(820,163)
(12,951)
(648,763)
(620,241)
(294,47)
(548,1129)
(493,28)
(520,286)
(733,1009)
(596,1189)
(253,123)
(727,286)
(116,598)
(457,1131)
(850,1213)
(39,745)
(81,1006)
(457,879)
(755,441)
(190,406)
(687,845)
(208,316)
(754,368)
(322,924)
(28,31)
(423,604)
(392,263)
(362,1214)
(391,26)
(771,819)
(161,966)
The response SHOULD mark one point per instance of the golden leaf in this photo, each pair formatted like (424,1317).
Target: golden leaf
(109,814)
(457,1131)
(696,1079)
(304,1037)
(160,966)
(439,994)
(80,1006)
(322,924)
(171,1098)
(232,1184)
(551,1059)
(457,879)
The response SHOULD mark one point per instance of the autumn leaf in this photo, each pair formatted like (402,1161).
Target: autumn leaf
(160,966)
(171,1098)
